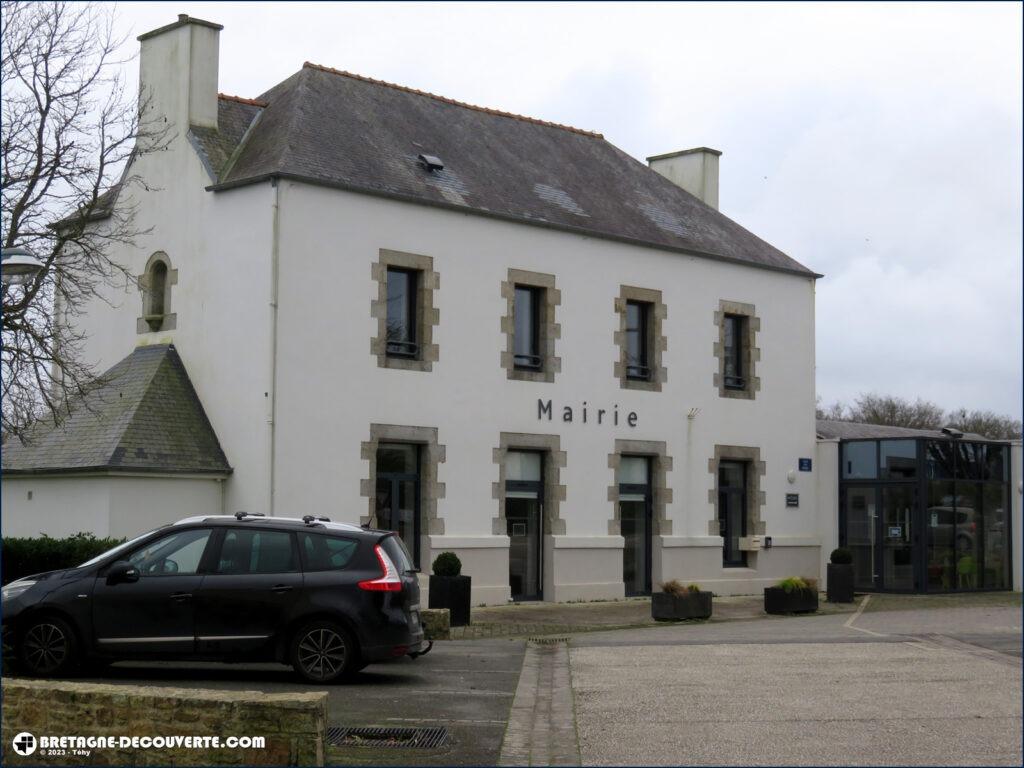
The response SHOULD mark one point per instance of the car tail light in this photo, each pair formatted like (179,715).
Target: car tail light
(389,580)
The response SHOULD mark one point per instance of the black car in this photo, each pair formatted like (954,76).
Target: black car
(327,598)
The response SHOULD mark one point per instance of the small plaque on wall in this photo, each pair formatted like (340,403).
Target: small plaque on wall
(792,499)
(805,465)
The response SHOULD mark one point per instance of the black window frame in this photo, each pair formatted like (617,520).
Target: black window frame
(734,354)
(409,347)
(647,491)
(534,360)
(538,487)
(937,461)
(394,478)
(640,371)
(739,559)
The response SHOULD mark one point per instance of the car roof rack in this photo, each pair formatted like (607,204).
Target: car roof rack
(243,515)
(313,520)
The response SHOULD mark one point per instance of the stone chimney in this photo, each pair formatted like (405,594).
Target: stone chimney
(178,74)
(695,170)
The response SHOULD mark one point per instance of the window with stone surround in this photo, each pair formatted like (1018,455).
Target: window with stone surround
(402,488)
(661,494)
(640,339)
(725,468)
(530,326)
(405,310)
(736,350)
(155,283)
(554,492)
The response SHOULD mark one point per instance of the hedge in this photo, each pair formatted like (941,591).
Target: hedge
(26,556)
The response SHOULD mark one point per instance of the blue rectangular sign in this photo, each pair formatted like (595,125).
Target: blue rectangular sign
(805,465)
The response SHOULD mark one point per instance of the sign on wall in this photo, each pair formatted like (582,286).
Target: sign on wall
(792,499)
(805,465)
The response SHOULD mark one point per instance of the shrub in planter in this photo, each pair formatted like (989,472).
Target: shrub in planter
(840,576)
(449,588)
(792,595)
(676,602)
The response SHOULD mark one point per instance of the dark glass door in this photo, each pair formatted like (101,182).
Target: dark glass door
(524,515)
(398,493)
(859,505)
(898,537)
(635,523)
(732,511)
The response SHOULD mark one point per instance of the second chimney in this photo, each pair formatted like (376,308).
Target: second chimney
(178,73)
(695,170)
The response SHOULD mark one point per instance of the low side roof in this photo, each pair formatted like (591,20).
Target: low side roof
(146,417)
(337,129)
(852,430)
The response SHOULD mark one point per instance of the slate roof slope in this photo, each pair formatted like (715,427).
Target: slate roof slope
(348,131)
(146,417)
(852,430)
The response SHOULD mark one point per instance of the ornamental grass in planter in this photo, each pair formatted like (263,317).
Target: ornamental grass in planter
(677,602)
(450,589)
(792,595)
(840,576)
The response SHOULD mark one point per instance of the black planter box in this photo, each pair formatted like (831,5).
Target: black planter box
(692,605)
(451,592)
(777,600)
(840,583)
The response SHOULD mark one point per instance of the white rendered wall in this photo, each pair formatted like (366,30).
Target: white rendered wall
(330,388)
(826,469)
(220,246)
(105,506)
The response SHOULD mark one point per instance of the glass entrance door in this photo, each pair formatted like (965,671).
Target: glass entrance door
(898,537)
(398,493)
(732,511)
(524,515)
(635,523)
(859,508)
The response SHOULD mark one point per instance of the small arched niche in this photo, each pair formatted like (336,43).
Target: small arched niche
(156,284)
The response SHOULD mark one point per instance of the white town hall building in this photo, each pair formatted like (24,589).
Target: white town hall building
(502,337)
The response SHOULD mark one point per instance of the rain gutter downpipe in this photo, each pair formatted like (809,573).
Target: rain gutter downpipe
(274,273)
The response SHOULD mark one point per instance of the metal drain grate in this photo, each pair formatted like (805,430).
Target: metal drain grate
(401,738)
(549,640)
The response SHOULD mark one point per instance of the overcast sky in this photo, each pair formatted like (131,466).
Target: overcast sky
(877,144)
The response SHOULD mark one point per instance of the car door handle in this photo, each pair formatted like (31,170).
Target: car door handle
(181,597)
(280,588)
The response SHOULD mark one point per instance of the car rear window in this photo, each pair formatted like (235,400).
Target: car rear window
(396,550)
(326,553)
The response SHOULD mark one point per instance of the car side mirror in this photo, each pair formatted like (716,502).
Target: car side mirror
(122,572)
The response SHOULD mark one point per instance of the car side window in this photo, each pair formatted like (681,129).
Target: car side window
(177,554)
(326,553)
(256,551)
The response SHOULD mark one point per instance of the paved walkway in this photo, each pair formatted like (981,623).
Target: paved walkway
(542,726)
(538,618)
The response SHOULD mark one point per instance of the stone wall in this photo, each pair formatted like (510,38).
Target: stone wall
(293,724)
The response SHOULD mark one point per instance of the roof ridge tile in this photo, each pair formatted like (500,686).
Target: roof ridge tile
(453,102)
(243,100)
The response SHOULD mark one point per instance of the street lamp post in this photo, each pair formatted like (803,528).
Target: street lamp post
(19,266)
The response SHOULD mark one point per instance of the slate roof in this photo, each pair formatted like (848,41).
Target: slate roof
(852,430)
(146,417)
(342,130)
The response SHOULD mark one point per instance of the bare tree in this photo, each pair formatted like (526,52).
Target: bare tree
(835,412)
(897,412)
(68,136)
(988,423)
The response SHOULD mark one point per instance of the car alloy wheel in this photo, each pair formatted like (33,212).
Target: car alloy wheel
(322,653)
(46,647)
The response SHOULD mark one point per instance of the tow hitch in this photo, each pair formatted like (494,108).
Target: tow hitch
(417,654)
